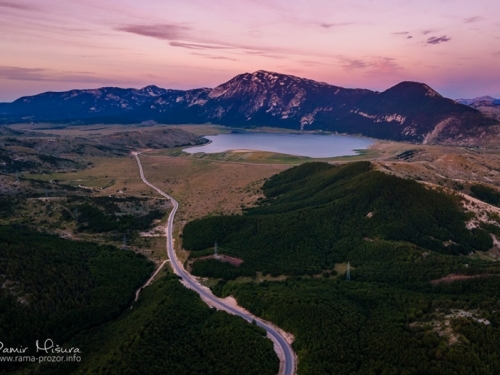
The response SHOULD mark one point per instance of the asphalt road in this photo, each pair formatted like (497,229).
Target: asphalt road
(289,366)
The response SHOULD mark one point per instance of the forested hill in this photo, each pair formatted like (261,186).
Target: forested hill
(54,288)
(398,236)
(172,331)
(317,214)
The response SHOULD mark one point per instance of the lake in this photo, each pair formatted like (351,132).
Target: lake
(311,145)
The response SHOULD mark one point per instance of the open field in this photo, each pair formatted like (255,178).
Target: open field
(454,167)
(207,188)
(106,129)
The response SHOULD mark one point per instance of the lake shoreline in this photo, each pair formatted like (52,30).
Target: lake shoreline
(310,145)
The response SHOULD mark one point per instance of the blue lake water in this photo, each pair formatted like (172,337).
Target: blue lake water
(311,145)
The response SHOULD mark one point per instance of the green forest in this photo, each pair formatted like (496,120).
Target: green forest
(355,327)
(55,288)
(399,236)
(171,331)
(317,214)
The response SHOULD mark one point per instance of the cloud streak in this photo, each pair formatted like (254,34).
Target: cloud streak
(17,5)
(334,25)
(13,73)
(214,57)
(436,40)
(182,37)
(159,31)
(196,45)
(473,19)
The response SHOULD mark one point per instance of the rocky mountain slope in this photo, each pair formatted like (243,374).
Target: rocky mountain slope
(486,104)
(409,111)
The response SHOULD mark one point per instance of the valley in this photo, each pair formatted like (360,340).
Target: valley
(388,262)
(249,188)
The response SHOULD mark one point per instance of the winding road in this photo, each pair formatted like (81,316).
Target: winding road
(288,367)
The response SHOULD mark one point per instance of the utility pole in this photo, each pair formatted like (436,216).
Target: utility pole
(76,214)
(124,241)
(216,254)
(348,273)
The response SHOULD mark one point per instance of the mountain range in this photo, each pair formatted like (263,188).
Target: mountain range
(485,104)
(409,111)
(481,99)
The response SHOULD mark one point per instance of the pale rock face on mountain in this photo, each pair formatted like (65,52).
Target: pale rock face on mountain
(409,111)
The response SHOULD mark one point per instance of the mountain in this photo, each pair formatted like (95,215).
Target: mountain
(487,105)
(480,99)
(409,111)
(81,105)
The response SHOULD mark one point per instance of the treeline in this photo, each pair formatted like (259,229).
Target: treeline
(316,214)
(171,331)
(55,288)
(356,327)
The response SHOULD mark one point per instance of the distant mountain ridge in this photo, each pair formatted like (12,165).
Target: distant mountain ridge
(488,105)
(409,111)
(482,99)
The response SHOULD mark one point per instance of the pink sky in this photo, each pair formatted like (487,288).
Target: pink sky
(57,45)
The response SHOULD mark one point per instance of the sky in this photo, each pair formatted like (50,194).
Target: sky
(57,45)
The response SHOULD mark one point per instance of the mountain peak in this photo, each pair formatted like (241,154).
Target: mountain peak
(411,88)
(485,98)
(153,90)
(150,87)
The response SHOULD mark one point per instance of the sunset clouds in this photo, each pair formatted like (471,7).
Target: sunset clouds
(452,45)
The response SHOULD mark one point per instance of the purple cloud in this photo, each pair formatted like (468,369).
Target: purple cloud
(473,19)
(14,73)
(401,33)
(160,31)
(213,57)
(436,40)
(196,45)
(264,54)
(333,25)
(355,64)
(16,5)
(425,32)
(179,36)
(22,74)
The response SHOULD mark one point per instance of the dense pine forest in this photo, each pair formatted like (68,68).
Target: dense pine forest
(395,315)
(356,327)
(78,294)
(54,288)
(171,331)
(316,215)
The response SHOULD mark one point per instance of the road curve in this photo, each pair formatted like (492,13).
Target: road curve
(289,357)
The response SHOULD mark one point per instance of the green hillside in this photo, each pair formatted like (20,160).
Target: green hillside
(398,236)
(54,288)
(171,331)
(316,215)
